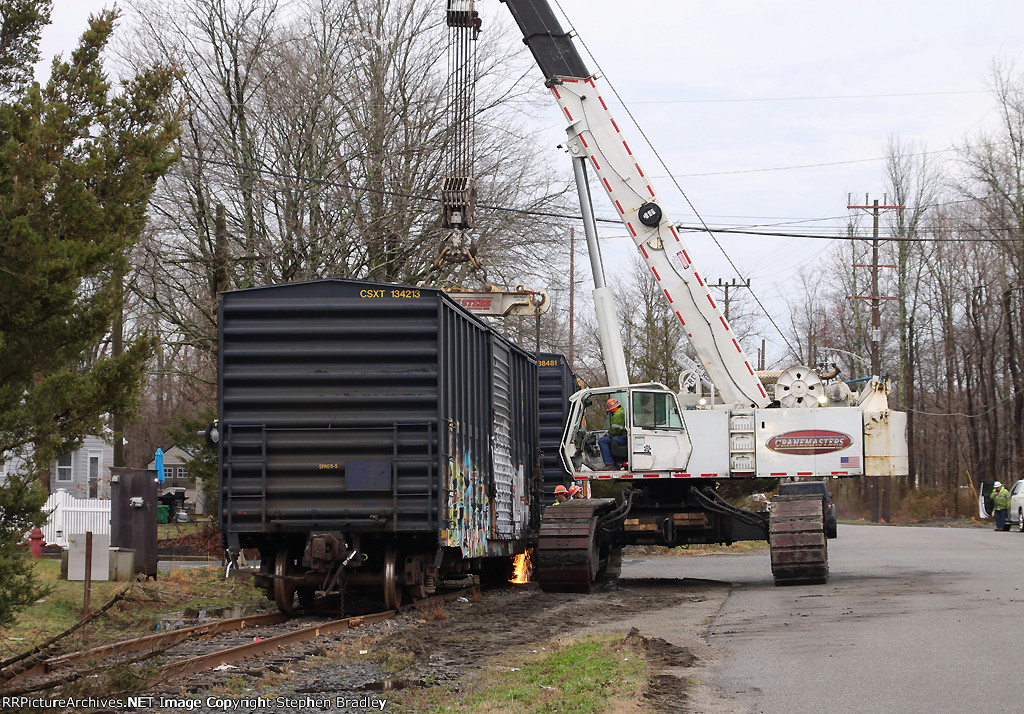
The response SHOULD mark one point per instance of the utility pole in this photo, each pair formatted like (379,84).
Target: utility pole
(875,298)
(726,286)
(879,504)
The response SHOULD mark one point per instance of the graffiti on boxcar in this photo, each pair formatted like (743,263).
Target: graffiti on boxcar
(468,512)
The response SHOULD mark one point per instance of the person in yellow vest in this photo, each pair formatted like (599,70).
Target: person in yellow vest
(1001,506)
(616,434)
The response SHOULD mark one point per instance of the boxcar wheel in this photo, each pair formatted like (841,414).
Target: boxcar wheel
(394,579)
(284,590)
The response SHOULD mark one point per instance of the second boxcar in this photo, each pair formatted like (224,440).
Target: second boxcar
(557,382)
(372,436)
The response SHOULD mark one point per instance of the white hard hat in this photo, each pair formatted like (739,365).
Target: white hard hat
(998,484)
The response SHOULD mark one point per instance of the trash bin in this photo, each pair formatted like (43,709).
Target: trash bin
(162,513)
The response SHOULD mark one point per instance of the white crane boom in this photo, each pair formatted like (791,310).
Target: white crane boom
(595,135)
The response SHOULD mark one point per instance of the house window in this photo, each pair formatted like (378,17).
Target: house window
(64,468)
(168,474)
(94,474)
(182,475)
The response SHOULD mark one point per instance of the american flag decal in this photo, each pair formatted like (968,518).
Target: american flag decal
(852,462)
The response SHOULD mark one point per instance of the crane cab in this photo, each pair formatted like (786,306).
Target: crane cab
(656,437)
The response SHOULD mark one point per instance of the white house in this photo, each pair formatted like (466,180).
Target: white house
(10,463)
(84,473)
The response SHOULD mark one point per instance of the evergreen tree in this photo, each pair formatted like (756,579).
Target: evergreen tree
(78,163)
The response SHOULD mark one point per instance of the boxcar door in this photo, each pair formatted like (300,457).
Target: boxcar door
(501,442)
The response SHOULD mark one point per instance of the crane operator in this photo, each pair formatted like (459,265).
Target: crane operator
(616,434)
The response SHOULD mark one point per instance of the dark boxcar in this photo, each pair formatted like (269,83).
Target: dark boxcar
(557,383)
(374,429)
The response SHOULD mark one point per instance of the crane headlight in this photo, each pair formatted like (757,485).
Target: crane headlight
(649,214)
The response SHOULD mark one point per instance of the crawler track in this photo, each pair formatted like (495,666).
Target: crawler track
(568,553)
(799,549)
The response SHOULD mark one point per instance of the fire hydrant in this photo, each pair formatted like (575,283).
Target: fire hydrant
(36,543)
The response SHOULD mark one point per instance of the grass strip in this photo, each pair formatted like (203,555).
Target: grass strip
(594,673)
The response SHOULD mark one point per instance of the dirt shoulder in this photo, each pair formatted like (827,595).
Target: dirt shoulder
(450,658)
(513,623)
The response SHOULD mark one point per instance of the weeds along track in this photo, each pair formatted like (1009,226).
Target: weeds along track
(167,656)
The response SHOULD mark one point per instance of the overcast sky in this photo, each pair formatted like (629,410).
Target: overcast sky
(736,95)
(771,113)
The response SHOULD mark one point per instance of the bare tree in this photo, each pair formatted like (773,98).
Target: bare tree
(914,184)
(313,146)
(994,166)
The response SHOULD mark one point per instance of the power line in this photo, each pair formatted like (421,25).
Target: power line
(998,404)
(780,234)
(811,98)
(803,166)
(378,191)
(611,221)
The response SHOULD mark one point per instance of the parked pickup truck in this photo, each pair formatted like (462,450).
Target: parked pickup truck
(814,488)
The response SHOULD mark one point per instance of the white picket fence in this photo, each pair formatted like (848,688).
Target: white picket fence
(70,515)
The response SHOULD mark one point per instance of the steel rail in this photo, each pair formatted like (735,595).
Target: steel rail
(211,660)
(160,640)
(159,643)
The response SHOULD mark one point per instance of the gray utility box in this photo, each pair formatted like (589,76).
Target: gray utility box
(133,515)
(122,564)
(100,556)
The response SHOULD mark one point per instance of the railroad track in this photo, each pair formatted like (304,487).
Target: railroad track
(180,646)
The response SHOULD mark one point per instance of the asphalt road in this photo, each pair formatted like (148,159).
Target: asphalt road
(911,620)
